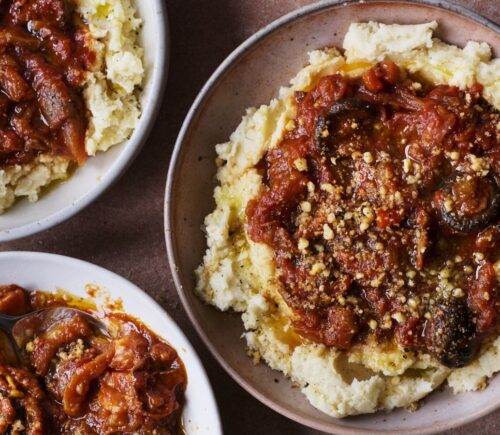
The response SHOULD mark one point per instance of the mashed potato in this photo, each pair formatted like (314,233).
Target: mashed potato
(109,93)
(28,179)
(239,274)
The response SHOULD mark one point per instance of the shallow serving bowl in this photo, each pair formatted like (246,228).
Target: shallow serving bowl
(48,272)
(251,76)
(99,172)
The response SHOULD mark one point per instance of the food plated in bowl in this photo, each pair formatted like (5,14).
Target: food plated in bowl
(356,225)
(80,90)
(144,377)
(67,88)
(70,378)
(348,216)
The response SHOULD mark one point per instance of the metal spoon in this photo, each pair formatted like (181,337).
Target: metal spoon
(21,329)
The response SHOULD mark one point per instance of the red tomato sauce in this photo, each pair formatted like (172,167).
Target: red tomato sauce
(72,379)
(44,55)
(382,209)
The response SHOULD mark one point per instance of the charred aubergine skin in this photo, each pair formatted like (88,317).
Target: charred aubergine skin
(450,334)
(355,107)
(484,192)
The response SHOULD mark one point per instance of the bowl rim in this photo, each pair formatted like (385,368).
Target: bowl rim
(123,283)
(132,147)
(202,97)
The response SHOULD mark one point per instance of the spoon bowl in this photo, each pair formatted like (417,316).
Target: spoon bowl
(22,329)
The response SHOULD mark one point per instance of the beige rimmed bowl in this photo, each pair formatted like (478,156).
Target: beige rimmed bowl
(250,76)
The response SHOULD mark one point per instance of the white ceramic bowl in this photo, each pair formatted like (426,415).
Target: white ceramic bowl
(34,270)
(99,172)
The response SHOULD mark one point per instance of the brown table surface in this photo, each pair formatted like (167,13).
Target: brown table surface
(123,230)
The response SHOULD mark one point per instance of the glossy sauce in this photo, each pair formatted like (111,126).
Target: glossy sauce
(44,54)
(74,380)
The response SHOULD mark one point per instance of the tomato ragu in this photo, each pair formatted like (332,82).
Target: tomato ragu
(44,56)
(382,208)
(69,378)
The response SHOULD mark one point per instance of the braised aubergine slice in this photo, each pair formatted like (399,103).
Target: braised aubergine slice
(356,107)
(468,203)
(450,334)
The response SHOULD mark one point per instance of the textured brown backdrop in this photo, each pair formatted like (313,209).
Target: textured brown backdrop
(123,230)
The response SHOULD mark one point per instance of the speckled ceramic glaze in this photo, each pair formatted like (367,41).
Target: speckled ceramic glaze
(251,76)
